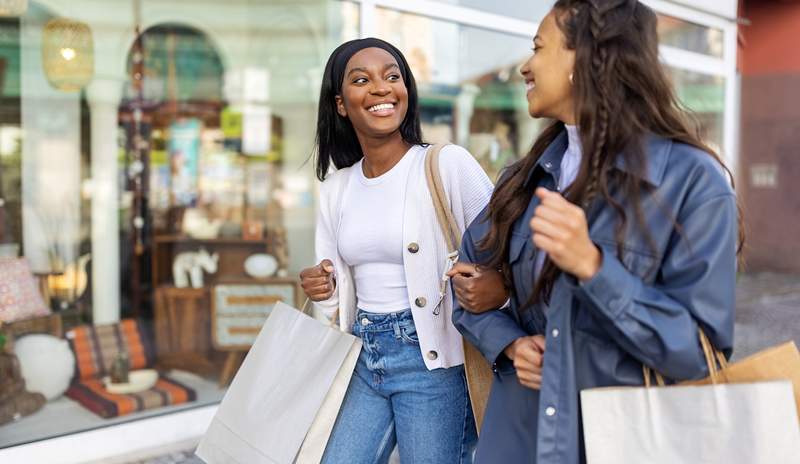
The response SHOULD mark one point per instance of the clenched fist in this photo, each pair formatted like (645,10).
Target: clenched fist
(527,354)
(318,282)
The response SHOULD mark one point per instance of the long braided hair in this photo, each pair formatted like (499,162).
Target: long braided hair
(622,93)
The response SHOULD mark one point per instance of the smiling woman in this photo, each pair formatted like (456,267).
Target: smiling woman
(360,75)
(374,97)
(378,253)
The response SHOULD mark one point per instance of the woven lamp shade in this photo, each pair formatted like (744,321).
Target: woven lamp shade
(67,54)
(13,7)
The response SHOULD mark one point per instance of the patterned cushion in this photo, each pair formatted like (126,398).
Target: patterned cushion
(96,347)
(93,396)
(19,295)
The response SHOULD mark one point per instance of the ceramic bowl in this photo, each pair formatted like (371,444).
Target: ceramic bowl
(260,265)
(138,381)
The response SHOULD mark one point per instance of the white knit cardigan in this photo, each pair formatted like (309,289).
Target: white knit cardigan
(468,189)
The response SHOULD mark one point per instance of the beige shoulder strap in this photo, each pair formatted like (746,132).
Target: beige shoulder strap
(441,204)
(478,372)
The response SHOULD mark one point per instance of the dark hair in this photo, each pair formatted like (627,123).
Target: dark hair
(336,139)
(622,93)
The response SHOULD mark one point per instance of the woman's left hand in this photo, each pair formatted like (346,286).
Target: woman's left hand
(560,229)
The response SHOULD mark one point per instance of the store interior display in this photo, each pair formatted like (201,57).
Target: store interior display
(15,401)
(189,266)
(67,287)
(68,54)
(261,265)
(96,348)
(182,325)
(195,224)
(47,364)
(135,382)
(20,296)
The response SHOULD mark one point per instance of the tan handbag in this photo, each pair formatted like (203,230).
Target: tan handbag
(477,369)
(781,362)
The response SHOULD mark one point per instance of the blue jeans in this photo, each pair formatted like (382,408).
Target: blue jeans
(394,399)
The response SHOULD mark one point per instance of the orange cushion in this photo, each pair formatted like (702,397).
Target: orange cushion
(97,347)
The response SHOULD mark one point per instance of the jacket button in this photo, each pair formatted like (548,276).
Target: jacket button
(432,355)
(413,247)
(420,302)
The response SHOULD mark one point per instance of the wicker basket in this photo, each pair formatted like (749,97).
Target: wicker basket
(15,402)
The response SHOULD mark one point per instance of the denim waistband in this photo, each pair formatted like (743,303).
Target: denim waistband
(381,322)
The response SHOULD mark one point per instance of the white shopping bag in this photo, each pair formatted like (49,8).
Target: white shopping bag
(746,415)
(283,402)
(713,424)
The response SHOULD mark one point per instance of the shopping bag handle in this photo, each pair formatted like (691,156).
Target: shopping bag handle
(306,309)
(712,355)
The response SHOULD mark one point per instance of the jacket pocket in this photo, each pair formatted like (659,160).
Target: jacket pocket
(641,264)
(638,260)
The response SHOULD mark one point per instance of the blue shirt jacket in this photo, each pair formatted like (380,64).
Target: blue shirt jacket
(641,308)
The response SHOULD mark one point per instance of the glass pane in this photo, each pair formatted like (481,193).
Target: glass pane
(525,10)
(470,94)
(151,187)
(350,16)
(704,95)
(690,36)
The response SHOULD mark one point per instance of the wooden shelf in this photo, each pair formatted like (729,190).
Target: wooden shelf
(232,254)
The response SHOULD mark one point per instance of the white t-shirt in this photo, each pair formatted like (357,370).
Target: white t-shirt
(371,236)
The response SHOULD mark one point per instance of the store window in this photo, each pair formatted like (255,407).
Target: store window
(155,199)
(524,10)
(470,94)
(704,96)
(686,35)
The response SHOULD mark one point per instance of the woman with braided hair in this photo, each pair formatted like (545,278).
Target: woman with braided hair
(617,236)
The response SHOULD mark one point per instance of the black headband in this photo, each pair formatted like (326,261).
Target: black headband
(341,56)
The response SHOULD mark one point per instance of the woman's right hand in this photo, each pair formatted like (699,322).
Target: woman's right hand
(478,289)
(527,354)
(318,282)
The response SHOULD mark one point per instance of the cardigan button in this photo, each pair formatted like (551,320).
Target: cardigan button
(413,247)
(432,355)
(420,302)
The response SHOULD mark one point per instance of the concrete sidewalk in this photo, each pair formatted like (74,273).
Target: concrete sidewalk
(767,312)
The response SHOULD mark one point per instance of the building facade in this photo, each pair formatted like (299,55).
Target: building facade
(770,119)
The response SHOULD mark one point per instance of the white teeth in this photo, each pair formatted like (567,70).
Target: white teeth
(382,106)
(530,85)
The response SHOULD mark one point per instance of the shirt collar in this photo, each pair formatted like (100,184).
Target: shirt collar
(656,154)
(550,161)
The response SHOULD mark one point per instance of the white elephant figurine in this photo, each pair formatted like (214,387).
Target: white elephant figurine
(192,264)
